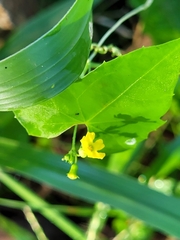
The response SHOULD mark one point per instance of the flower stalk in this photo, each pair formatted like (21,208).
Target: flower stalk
(71,158)
(89,148)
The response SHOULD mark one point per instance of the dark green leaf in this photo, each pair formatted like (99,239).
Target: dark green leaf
(46,67)
(35,27)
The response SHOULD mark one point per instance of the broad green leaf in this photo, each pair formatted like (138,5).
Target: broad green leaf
(95,184)
(35,27)
(161,19)
(46,67)
(121,101)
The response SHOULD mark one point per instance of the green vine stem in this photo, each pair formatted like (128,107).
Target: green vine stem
(74,143)
(98,220)
(141,8)
(31,218)
(71,157)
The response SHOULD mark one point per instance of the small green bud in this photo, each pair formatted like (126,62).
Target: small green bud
(72,174)
(70,157)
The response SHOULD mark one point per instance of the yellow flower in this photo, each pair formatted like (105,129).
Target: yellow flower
(89,148)
(72,174)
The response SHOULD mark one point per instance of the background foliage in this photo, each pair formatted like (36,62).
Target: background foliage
(130,194)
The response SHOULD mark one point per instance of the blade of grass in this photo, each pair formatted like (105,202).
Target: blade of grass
(68,210)
(51,214)
(36,227)
(94,185)
(97,221)
(14,230)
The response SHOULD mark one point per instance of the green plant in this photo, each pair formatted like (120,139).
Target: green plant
(52,86)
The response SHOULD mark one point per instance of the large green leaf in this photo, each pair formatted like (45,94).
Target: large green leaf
(35,27)
(121,101)
(123,192)
(46,67)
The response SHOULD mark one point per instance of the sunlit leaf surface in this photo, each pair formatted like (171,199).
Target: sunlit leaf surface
(121,101)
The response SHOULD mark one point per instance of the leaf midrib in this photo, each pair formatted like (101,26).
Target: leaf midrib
(131,85)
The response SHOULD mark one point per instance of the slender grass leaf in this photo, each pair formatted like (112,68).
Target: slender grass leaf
(121,101)
(51,214)
(14,230)
(46,67)
(95,184)
(65,209)
(166,161)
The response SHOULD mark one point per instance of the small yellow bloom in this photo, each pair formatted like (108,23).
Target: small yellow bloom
(89,148)
(72,174)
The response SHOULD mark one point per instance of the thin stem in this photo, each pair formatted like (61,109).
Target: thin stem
(31,218)
(58,219)
(98,220)
(74,137)
(74,144)
(69,210)
(142,7)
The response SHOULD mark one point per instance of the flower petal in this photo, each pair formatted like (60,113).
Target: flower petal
(96,154)
(82,153)
(84,142)
(101,155)
(98,144)
(90,148)
(90,136)
(88,139)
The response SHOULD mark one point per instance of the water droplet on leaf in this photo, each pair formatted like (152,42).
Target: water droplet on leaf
(90,30)
(131,141)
